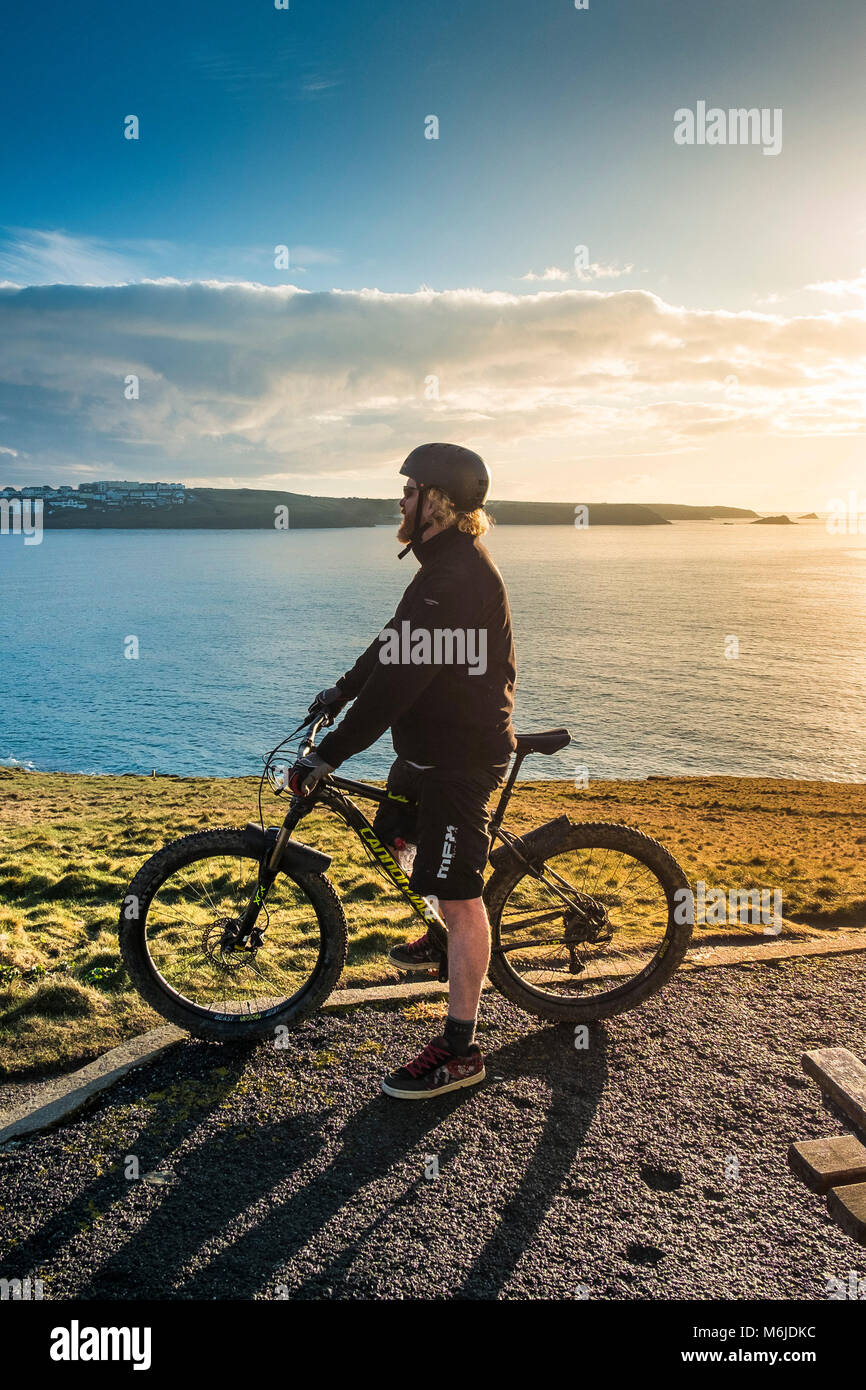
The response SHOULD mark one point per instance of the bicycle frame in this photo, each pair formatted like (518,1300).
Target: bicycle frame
(332,793)
(358,822)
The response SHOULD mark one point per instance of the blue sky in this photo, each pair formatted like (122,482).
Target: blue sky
(305,127)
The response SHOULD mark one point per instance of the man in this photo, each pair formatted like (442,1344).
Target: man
(441,677)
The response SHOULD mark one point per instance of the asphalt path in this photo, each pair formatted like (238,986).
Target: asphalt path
(650,1165)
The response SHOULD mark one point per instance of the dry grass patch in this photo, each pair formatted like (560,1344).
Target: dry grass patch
(69,846)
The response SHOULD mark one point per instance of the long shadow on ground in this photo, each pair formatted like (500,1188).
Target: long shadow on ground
(226,1174)
(376,1140)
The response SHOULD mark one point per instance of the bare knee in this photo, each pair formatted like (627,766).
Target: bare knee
(464,912)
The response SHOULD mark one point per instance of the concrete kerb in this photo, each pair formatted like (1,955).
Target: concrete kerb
(61,1098)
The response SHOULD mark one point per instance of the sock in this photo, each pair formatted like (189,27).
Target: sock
(459,1034)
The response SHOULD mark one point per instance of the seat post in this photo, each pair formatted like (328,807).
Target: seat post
(496,818)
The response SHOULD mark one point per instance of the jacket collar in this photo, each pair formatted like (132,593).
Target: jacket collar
(427,551)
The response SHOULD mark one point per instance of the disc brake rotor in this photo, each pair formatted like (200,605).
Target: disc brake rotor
(217,945)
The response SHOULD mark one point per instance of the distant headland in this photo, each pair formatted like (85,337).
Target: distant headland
(174,506)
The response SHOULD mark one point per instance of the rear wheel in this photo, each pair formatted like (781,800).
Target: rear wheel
(604,947)
(176,922)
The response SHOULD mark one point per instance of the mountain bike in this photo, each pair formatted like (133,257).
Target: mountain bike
(231,933)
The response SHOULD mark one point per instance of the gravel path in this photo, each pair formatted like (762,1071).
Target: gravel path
(651,1166)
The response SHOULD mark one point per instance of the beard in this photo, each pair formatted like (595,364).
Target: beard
(407,526)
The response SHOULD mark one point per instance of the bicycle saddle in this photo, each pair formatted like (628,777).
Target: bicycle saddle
(550,741)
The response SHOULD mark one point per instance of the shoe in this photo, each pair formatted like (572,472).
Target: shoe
(434,1071)
(415,955)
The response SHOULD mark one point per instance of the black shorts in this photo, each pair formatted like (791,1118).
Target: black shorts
(445,814)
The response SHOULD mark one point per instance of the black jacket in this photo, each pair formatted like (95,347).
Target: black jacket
(443,711)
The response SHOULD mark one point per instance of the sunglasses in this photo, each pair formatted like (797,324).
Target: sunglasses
(407,491)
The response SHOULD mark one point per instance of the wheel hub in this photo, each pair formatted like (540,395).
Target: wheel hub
(588,922)
(221,944)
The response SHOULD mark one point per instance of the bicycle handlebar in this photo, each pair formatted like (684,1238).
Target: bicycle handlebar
(315,722)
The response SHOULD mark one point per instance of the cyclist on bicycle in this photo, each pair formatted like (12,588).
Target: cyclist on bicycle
(441,677)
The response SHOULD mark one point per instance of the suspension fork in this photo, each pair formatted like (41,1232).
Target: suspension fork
(268,870)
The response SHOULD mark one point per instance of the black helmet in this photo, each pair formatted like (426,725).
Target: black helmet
(459,473)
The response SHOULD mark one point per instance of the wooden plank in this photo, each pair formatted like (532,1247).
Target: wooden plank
(826,1163)
(842,1077)
(847,1206)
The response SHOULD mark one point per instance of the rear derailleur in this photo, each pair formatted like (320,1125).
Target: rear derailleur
(587,924)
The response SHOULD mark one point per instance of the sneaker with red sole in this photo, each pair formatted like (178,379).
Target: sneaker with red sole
(415,955)
(434,1071)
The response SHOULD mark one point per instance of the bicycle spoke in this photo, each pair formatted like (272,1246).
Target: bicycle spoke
(186,922)
(612,895)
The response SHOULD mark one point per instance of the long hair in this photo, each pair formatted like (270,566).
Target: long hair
(444,513)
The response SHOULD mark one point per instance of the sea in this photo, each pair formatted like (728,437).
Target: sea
(698,648)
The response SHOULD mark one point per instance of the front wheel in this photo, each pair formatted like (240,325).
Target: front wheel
(589,927)
(176,920)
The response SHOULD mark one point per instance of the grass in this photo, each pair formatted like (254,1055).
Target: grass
(69,846)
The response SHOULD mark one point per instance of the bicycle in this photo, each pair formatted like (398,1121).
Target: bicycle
(263,940)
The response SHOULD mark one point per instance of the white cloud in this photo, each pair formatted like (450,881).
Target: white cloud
(595,270)
(598,270)
(33,257)
(284,69)
(256,382)
(552,272)
(852,289)
(55,258)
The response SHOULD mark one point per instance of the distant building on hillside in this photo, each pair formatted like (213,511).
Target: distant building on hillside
(102,495)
